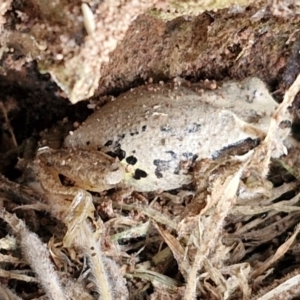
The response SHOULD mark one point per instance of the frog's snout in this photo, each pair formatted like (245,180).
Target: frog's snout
(116,174)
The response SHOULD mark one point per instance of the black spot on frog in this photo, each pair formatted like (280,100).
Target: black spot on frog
(161,166)
(138,174)
(192,128)
(131,160)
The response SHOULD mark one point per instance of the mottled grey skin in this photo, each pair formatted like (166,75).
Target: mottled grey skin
(159,131)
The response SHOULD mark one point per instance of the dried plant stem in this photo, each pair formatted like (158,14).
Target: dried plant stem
(7,294)
(82,235)
(214,222)
(263,153)
(279,253)
(37,255)
(96,259)
(286,290)
(13,275)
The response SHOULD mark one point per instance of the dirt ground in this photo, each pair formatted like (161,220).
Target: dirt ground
(61,62)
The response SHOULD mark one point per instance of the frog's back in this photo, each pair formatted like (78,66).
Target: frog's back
(158,131)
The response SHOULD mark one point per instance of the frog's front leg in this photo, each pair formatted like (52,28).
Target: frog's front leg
(88,170)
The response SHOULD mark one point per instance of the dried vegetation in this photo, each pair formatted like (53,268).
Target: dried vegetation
(208,241)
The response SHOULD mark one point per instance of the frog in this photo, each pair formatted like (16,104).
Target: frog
(150,137)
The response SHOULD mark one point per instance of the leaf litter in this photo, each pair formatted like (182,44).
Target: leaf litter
(130,245)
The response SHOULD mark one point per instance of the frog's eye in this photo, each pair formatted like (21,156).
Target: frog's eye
(108,143)
(121,154)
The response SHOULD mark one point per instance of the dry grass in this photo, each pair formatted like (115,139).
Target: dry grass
(123,245)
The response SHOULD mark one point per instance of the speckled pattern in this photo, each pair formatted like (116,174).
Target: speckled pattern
(159,131)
